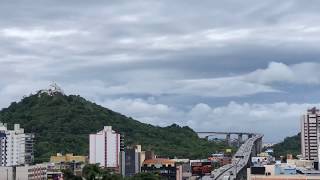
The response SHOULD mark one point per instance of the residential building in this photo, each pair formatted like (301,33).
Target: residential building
(183,170)
(53,173)
(164,167)
(16,147)
(6,173)
(105,148)
(34,172)
(67,158)
(221,159)
(69,161)
(281,172)
(132,161)
(309,164)
(179,175)
(201,167)
(309,134)
(150,155)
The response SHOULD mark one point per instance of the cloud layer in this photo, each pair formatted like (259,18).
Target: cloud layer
(164,62)
(276,120)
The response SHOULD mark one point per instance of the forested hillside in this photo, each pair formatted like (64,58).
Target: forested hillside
(62,124)
(290,145)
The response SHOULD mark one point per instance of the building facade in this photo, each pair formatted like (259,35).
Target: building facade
(6,173)
(132,160)
(68,161)
(34,172)
(16,147)
(164,167)
(105,148)
(310,123)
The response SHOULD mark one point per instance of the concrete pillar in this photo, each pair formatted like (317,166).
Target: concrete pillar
(260,146)
(228,139)
(239,140)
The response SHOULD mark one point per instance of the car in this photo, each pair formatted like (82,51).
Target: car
(226,178)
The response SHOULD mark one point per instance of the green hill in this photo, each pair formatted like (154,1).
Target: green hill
(290,145)
(62,124)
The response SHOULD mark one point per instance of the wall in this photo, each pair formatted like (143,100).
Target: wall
(6,173)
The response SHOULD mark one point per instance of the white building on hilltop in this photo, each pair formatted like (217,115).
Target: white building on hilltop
(16,147)
(105,148)
(52,90)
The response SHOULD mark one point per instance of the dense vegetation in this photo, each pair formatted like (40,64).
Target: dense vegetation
(62,124)
(290,145)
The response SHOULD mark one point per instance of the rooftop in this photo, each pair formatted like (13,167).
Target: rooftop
(158,161)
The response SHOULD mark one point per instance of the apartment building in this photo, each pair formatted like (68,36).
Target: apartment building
(16,147)
(310,123)
(105,148)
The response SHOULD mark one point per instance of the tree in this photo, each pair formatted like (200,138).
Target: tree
(91,172)
(68,175)
(94,172)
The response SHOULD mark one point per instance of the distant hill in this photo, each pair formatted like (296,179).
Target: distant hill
(62,123)
(290,145)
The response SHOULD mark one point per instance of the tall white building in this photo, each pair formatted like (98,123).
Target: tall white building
(16,147)
(105,148)
(310,124)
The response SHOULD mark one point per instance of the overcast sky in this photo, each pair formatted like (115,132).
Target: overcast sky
(211,65)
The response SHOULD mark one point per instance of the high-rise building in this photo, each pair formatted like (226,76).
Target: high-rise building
(105,148)
(310,124)
(132,160)
(16,147)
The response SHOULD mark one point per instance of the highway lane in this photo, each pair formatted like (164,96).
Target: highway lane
(239,161)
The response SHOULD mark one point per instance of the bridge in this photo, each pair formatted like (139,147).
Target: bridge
(227,134)
(237,170)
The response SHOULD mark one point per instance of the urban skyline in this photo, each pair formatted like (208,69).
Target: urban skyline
(108,154)
(149,89)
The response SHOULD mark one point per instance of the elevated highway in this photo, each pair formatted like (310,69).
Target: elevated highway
(207,134)
(240,161)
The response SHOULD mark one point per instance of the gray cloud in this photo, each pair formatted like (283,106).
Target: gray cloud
(179,54)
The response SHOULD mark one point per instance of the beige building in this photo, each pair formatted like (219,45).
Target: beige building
(309,134)
(68,161)
(68,158)
(301,163)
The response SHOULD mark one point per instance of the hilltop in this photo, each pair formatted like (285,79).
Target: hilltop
(62,123)
(290,145)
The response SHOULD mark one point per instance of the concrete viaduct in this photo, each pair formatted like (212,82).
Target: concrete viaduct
(207,134)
